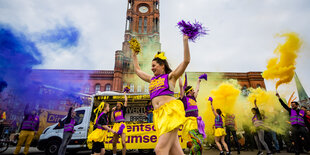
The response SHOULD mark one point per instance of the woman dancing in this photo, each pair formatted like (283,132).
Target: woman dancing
(118,115)
(99,135)
(219,133)
(190,105)
(168,113)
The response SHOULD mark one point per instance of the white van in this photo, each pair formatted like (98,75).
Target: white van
(51,137)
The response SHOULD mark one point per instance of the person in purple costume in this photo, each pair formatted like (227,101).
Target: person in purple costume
(169,113)
(118,116)
(191,110)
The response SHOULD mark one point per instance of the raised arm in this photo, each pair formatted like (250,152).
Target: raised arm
(255,104)
(126,100)
(215,114)
(68,119)
(174,75)
(181,88)
(282,103)
(197,88)
(144,76)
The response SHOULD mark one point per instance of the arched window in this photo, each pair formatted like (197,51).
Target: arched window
(124,84)
(132,87)
(146,88)
(139,89)
(145,25)
(258,86)
(97,87)
(140,25)
(86,89)
(107,87)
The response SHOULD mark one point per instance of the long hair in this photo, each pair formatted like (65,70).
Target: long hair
(218,111)
(163,62)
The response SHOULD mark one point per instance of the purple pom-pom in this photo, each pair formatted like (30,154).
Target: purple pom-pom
(204,76)
(210,99)
(193,31)
(126,89)
(121,129)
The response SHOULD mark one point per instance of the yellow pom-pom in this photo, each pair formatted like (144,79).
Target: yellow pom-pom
(134,45)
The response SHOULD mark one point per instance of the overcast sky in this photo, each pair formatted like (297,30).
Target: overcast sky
(241,37)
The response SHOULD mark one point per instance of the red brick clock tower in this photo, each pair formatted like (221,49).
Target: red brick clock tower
(142,22)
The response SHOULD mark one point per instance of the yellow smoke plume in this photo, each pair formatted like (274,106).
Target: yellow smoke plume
(282,67)
(275,117)
(226,95)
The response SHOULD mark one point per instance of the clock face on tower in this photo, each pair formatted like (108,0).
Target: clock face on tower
(143,9)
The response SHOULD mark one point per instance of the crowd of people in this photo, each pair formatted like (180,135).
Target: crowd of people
(168,114)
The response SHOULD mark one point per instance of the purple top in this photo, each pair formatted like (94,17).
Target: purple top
(296,118)
(30,123)
(159,86)
(218,122)
(119,116)
(70,126)
(190,106)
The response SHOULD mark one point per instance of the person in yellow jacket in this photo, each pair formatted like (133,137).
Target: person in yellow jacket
(99,135)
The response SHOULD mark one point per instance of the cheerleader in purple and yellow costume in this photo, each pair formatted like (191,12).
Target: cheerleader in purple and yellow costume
(219,133)
(99,135)
(196,124)
(169,112)
(118,116)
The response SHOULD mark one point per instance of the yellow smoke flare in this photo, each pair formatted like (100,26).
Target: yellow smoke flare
(282,67)
(274,116)
(226,95)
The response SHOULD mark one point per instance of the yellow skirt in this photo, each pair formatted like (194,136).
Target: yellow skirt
(170,116)
(97,135)
(219,132)
(191,124)
(117,126)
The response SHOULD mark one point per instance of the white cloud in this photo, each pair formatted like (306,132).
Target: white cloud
(241,36)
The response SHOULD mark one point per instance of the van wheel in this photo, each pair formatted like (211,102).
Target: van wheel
(52,147)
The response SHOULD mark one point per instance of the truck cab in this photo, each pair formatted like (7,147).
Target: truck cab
(51,138)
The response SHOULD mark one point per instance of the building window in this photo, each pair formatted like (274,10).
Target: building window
(145,25)
(244,91)
(140,24)
(146,88)
(155,24)
(107,87)
(157,6)
(128,23)
(139,89)
(97,88)
(86,90)
(132,87)
(124,84)
(258,86)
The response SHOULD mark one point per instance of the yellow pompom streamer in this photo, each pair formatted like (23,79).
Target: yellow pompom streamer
(135,45)
(98,110)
